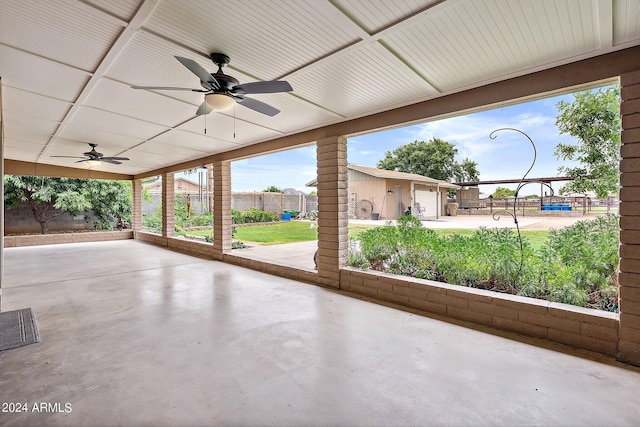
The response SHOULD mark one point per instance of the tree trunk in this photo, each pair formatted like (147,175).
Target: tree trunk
(44,226)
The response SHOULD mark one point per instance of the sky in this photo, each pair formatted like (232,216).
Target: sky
(508,156)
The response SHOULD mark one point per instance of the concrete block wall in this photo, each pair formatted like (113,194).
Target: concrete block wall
(629,345)
(191,247)
(274,202)
(274,269)
(575,326)
(52,239)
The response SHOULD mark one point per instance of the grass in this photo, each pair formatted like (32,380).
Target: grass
(301,231)
(271,234)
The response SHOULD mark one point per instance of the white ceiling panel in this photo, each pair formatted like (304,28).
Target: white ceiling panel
(72,62)
(88,134)
(88,118)
(148,60)
(38,135)
(345,86)
(36,106)
(296,113)
(26,151)
(110,95)
(66,31)
(492,41)
(266,39)
(226,128)
(154,156)
(31,73)
(626,20)
(122,9)
(21,125)
(375,15)
(193,142)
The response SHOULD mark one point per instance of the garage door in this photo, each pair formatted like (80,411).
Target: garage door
(428,201)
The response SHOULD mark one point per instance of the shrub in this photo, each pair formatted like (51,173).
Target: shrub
(577,265)
(252,215)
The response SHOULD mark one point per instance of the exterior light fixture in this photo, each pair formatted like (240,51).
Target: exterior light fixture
(93,163)
(219,101)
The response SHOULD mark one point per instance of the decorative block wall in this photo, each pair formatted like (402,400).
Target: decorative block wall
(575,326)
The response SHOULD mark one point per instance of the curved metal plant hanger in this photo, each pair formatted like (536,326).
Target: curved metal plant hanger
(522,183)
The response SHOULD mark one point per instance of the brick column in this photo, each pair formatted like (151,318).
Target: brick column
(168,205)
(333,220)
(221,208)
(136,205)
(629,332)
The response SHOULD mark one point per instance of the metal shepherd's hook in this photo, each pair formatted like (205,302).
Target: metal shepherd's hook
(522,183)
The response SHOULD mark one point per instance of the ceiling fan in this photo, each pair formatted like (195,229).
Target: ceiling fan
(223,91)
(94,157)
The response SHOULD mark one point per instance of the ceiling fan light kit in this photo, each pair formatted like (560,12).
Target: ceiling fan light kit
(92,158)
(219,101)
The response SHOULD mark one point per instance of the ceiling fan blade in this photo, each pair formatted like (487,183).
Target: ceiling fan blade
(204,108)
(258,106)
(167,88)
(273,86)
(70,157)
(114,158)
(197,69)
(110,160)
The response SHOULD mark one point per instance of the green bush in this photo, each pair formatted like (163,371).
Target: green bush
(252,215)
(577,265)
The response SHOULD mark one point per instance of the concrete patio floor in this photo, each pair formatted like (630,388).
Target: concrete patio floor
(133,334)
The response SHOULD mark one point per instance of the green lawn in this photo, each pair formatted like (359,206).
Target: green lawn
(301,231)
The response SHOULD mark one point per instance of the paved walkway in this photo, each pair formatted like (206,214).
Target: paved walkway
(300,255)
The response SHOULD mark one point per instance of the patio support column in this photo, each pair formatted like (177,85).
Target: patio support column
(222,225)
(333,221)
(136,205)
(168,205)
(629,329)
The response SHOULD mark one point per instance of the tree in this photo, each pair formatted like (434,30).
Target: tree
(503,193)
(109,201)
(434,158)
(272,189)
(593,118)
(52,197)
